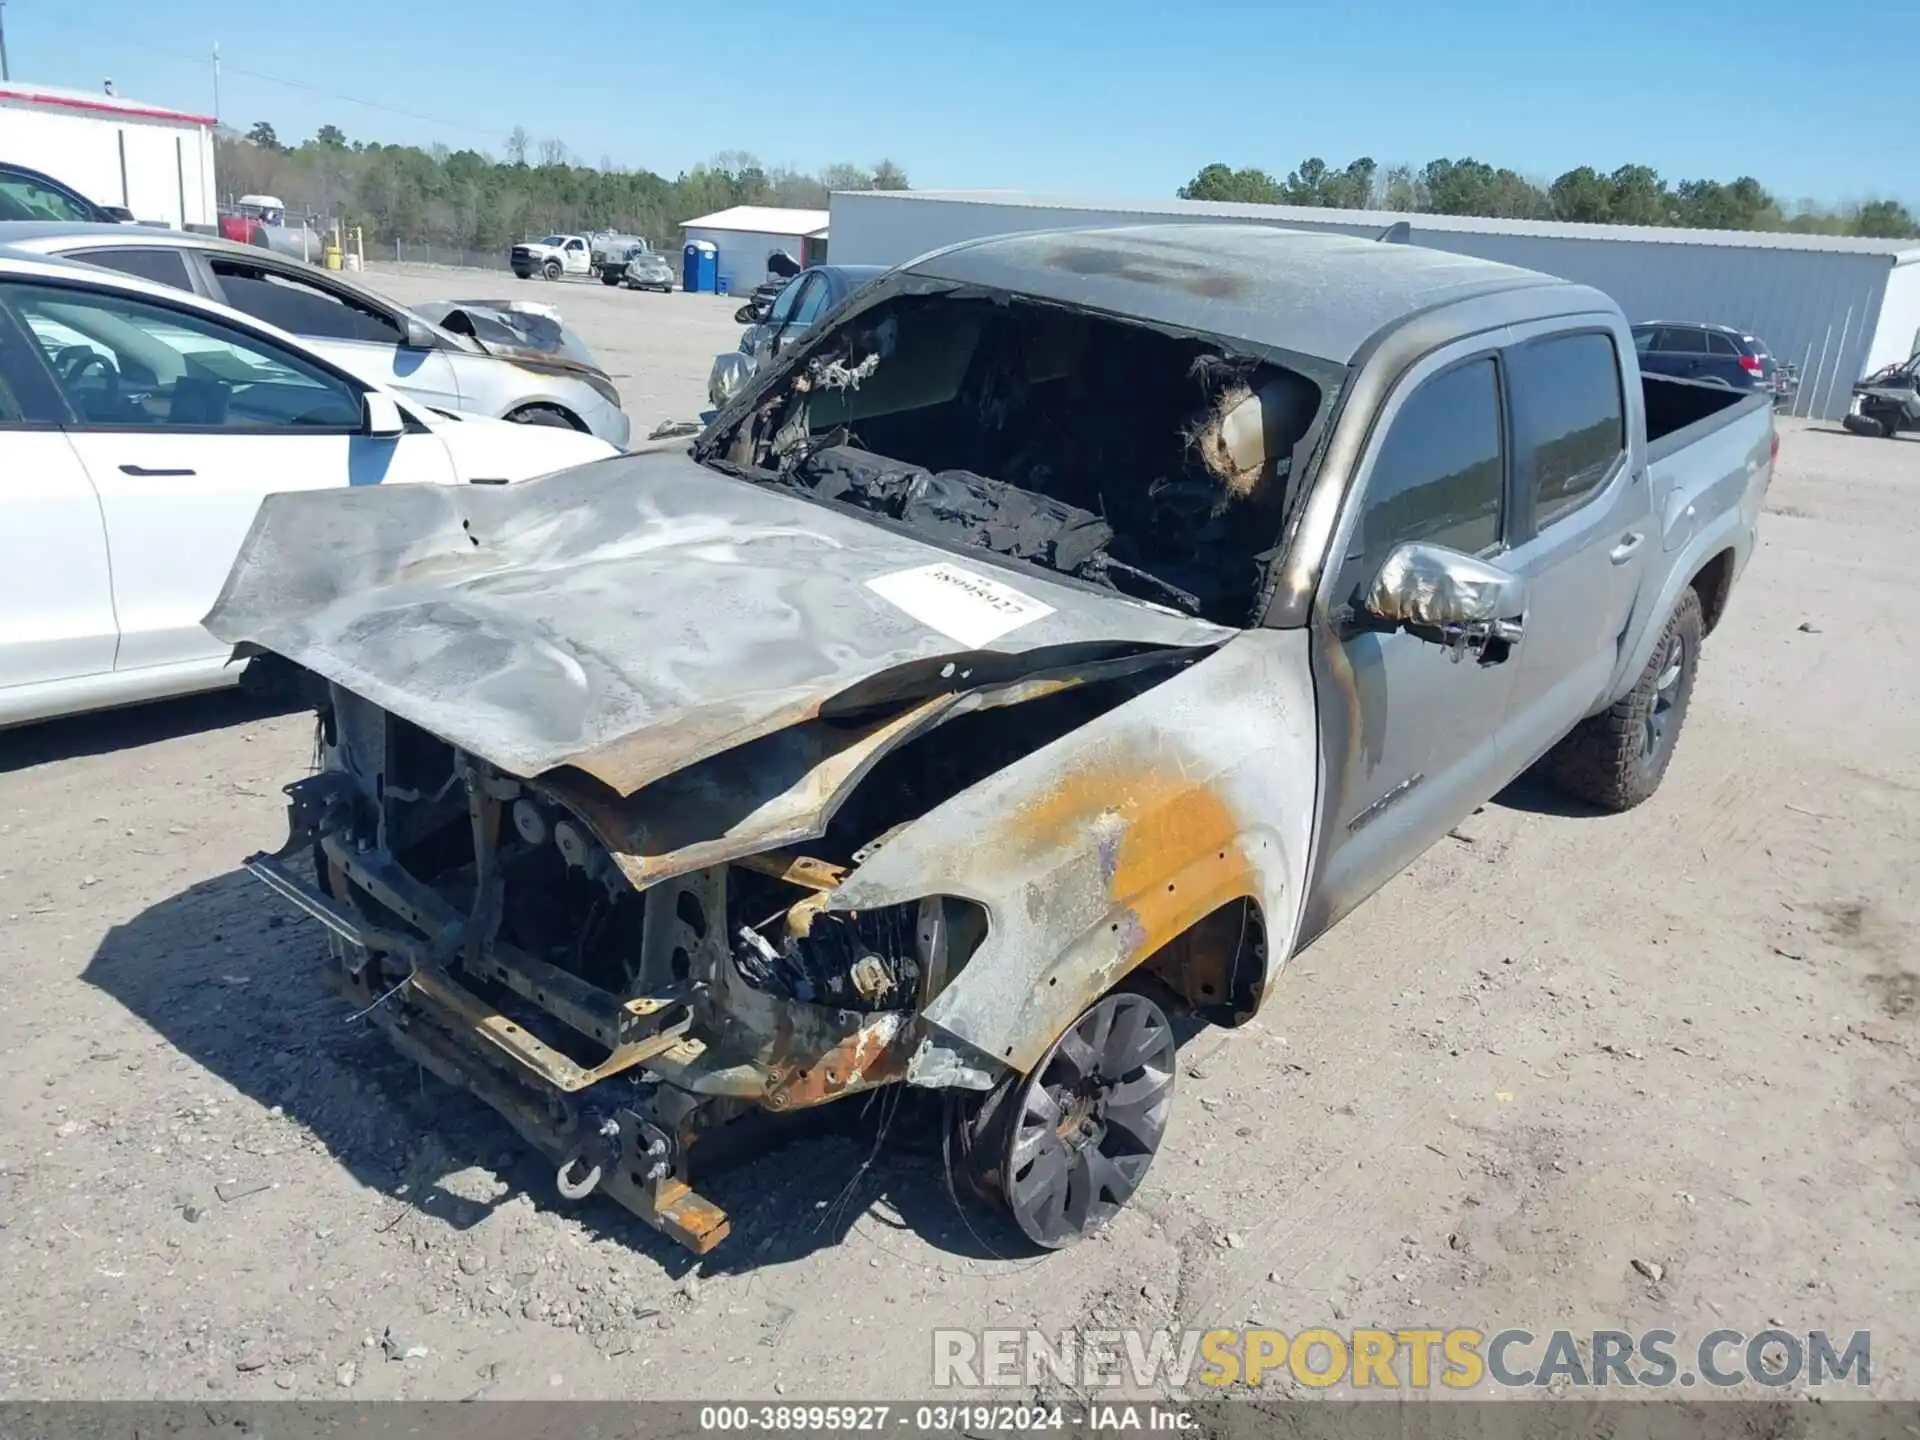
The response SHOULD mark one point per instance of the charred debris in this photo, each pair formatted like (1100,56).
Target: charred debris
(617,1000)
(1153,464)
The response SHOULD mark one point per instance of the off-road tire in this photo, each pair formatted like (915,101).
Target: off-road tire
(1865,425)
(552,270)
(1610,760)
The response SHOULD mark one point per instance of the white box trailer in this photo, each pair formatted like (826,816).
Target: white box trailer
(156,162)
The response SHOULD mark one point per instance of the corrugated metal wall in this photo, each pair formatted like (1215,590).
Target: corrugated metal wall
(1898,335)
(1818,310)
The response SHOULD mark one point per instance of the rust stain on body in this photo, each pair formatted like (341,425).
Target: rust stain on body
(875,1054)
(1170,855)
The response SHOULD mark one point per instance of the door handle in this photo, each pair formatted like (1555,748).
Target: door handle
(1629,543)
(143,470)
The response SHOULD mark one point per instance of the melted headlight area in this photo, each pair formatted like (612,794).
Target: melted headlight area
(485,925)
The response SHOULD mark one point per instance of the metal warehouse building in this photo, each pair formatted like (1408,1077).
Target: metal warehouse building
(1835,306)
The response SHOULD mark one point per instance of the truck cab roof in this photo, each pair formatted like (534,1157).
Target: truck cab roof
(1306,292)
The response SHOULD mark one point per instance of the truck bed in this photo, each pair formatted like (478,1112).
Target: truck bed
(1682,412)
(1709,452)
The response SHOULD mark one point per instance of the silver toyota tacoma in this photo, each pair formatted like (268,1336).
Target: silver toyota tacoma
(1049,646)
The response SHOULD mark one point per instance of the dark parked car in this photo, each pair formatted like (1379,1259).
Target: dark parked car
(27,194)
(808,297)
(1713,355)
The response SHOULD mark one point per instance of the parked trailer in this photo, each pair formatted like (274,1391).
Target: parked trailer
(155,162)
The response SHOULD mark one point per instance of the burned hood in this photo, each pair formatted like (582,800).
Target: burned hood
(635,616)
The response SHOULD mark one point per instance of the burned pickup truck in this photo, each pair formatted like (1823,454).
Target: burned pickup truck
(1062,637)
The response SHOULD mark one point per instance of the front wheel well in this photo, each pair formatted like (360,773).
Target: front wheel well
(545,413)
(1217,967)
(1714,581)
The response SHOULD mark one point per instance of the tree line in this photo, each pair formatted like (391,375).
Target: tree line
(471,200)
(1629,195)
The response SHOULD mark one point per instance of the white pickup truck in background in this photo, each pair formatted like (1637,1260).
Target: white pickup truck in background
(604,253)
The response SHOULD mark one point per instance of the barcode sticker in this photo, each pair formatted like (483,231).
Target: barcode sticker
(959,603)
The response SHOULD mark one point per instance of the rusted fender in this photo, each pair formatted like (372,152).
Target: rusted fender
(1096,850)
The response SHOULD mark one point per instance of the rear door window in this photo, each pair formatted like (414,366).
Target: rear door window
(1569,419)
(1683,341)
(302,308)
(149,262)
(1722,345)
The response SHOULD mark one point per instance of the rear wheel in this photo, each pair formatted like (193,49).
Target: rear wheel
(609,277)
(1082,1127)
(544,415)
(1616,759)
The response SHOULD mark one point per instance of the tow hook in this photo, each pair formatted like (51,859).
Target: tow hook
(585,1185)
(579,1176)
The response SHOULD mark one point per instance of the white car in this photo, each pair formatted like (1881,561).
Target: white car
(490,357)
(140,428)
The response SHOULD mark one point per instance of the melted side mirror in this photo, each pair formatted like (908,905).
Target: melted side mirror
(1448,598)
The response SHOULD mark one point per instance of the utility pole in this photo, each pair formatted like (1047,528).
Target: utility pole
(216,82)
(5,74)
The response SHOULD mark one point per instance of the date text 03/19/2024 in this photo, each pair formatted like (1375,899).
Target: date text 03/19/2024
(938,1419)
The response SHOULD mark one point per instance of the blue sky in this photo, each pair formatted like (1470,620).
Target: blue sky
(1122,99)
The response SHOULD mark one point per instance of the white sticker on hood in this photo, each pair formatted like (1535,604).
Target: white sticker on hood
(959,603)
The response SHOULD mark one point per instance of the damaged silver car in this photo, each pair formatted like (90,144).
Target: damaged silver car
(1047,646)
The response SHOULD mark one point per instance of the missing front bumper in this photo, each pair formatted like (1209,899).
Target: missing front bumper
(438,1023)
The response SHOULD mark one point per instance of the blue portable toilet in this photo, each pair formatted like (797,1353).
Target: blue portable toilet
(700,266)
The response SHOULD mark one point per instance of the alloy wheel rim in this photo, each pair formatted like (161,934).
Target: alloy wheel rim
(1666,700)
(1089,1120)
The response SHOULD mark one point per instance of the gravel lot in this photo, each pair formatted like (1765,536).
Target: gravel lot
(1558,1045)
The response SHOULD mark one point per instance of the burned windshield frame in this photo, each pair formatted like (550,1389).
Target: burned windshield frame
(734,438)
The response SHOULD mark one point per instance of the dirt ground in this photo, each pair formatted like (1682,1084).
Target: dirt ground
(1558,1045)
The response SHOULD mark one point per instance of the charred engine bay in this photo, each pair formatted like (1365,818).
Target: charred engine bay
(559,898)
(1153,464)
